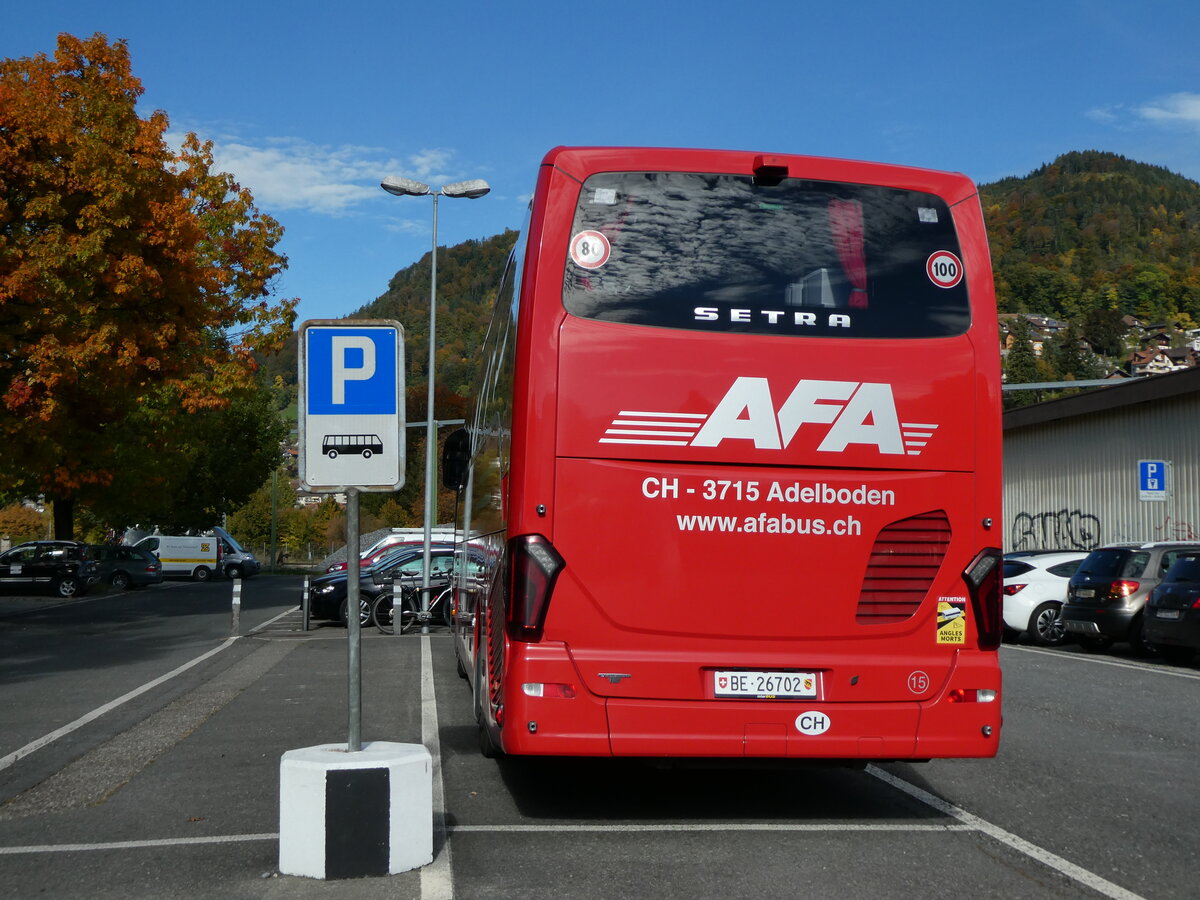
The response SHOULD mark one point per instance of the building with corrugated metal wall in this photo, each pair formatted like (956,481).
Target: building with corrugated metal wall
(1081,471)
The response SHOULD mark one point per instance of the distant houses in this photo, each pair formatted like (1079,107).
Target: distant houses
(1155,348)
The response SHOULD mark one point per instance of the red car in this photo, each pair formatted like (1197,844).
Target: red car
(378,551)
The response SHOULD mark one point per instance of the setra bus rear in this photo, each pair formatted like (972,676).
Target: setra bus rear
(754,495)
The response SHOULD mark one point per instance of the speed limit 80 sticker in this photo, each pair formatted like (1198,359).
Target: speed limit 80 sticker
(590,249)
(944,269)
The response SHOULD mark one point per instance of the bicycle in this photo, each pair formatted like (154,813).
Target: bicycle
(411,615)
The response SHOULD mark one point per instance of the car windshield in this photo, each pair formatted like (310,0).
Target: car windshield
(1186,568)
(735,253)
(1064,569)
(1105,563)
(1012,568)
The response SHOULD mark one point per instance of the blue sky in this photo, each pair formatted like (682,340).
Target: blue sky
(311,104)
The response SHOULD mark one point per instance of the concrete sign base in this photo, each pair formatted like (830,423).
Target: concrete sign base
(350,815)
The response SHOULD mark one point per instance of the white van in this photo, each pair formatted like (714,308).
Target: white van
(198,558)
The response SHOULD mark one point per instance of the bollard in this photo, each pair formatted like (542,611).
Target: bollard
(304,604)
(237,607)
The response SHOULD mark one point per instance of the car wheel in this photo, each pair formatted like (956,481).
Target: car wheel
(67,586)
(364,609)
(1136,639)
(202,573)
(1046,625)
(233,572)
(1095,642)
(120,580)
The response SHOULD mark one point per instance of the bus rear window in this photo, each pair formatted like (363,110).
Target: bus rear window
(724,253)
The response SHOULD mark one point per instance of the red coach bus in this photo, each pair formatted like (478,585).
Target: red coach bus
(734,465)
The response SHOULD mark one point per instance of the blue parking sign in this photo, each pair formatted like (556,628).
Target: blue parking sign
(1153,477)
(351,408)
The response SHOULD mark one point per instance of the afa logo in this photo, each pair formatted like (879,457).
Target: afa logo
(853,413)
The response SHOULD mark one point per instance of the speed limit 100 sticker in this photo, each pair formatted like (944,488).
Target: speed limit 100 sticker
(944,269)
(590,249)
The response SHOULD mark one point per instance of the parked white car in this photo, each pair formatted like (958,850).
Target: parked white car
(1035,587)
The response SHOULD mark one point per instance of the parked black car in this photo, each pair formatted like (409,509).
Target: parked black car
(1172,624)
(327,594)
(65,568)
(1109,589)
(126,567)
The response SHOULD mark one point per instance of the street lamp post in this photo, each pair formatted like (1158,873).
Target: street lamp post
(402,187)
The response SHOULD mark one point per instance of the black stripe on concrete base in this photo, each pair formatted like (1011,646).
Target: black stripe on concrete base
(357,822)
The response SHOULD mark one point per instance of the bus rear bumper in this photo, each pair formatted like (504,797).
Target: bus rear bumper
(961,719)
(588,726)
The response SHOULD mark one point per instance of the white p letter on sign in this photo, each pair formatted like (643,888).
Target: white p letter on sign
(343,373)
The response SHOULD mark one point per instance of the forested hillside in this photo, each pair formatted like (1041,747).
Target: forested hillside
(468,275)
(1095,232)
(1086,240)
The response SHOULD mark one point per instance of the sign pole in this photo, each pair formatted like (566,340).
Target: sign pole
(353,626)
(352,810)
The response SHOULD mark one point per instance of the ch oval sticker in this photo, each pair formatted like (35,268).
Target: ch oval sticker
(812,723)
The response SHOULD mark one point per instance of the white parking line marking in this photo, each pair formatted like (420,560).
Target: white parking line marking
(138,845)
(687,827)
(96,713)
(1045,857)
(270,622)
(437,878)
(1102,661)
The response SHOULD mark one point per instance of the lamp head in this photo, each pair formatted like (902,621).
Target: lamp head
(472,189)
(401,187)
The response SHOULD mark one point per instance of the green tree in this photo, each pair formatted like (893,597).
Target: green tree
(1021,363)
(134,279)
(1070,359)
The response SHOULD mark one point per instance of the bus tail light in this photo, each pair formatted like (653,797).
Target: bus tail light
(970,695)
(983,584)
(549,691)
(534,567)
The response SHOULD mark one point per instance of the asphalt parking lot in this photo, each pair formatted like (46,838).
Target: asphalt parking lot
(175,791)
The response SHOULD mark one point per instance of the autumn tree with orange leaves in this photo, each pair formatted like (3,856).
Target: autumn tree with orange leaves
(135,283)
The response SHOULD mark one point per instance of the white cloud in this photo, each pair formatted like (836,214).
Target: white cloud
(1106,115)
(1181,108)
(294,174)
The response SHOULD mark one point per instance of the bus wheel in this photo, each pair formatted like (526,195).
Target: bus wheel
(487,746)
(366,454)
(332,454)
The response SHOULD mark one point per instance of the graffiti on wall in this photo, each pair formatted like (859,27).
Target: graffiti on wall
(1172,530)
(1064,529)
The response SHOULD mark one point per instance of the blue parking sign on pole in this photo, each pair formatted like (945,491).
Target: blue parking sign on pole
(1153,479)
(351,394)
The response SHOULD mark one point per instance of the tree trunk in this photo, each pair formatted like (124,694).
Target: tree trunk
(64,519)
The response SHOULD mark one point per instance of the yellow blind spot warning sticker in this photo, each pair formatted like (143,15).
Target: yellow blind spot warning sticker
(952,620)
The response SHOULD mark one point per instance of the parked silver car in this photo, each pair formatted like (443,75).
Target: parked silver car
(1109,589)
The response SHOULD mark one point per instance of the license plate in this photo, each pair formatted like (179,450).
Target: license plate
(1085,592)
(1167,613)
(765,685)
